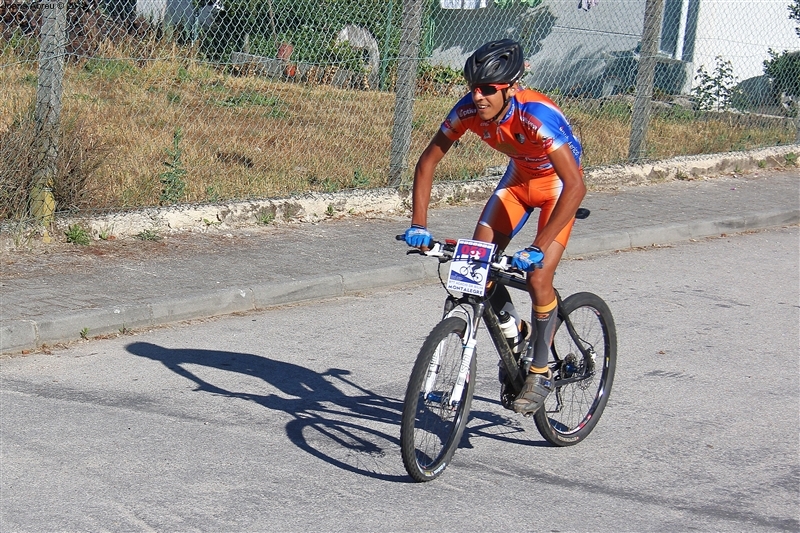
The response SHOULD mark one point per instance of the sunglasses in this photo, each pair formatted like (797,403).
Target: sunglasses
(490,89)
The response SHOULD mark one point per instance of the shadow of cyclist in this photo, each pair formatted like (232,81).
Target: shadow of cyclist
(304,394)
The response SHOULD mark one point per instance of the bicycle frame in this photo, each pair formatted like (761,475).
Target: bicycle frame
(475,308)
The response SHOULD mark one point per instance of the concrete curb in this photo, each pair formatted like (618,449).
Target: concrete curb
(18,335)
(391,201)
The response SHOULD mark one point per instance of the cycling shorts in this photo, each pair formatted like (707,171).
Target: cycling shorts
(515,198)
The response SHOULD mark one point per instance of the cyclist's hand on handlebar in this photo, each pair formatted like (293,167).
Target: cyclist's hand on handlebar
(528,259)
(418,236)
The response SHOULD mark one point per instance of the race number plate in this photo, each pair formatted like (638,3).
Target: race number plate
(469,269)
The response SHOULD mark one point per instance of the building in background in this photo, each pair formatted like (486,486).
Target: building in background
(591,48)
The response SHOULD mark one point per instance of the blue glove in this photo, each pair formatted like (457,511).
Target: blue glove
(417,236)
(528,259)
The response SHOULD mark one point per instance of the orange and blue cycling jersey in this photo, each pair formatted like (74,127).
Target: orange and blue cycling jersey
(532,128)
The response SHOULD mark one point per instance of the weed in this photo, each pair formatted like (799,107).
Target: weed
(249,98)
(173,184)
(330,211)
(681,175)
(148,235)
(762,163)
(183,74)
(85,333)
(110,69)
(329,185)
(359,179)
(77,235)
(212,194)
(210,222)
(105,234)
(173,97)
(791,159)
(123,330)
(266,218)
(457,199)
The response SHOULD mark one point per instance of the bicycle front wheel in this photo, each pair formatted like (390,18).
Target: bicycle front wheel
(434,412)
(583,383)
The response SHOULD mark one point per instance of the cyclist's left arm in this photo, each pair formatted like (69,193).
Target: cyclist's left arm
(569,201)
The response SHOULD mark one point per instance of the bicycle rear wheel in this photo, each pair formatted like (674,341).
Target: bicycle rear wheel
(433,421)
(573,409)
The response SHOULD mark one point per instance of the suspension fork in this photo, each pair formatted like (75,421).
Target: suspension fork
(468,352)
(457,307)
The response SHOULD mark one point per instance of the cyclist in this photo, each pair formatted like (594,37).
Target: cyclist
(544,171)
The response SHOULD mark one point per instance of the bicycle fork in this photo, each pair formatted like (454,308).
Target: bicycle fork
(452,398)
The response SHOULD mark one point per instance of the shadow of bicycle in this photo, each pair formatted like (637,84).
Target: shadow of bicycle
(342,429)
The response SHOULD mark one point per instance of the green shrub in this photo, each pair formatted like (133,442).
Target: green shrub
(784,72)
(77,235)
(173,184)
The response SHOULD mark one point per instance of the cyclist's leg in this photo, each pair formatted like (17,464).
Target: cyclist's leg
(503,216)
(540,281)
(539,383)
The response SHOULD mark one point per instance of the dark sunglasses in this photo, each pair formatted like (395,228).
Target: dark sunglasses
(490,89)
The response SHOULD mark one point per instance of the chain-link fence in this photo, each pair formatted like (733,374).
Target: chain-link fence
(114,104)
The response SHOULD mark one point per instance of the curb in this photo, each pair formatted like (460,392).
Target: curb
(314,207)
(19,335)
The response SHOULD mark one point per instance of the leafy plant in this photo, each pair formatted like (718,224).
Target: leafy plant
(110,69)
(84,333)
(715,90)
(791,159)
(784,72)
(266,217)
(173,184)
(77,235)
(148,235)
(212,194)
(105,234)
(359,179)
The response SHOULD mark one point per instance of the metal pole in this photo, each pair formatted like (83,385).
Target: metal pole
(642,106)
(387,40)
(48,111)
(406,87)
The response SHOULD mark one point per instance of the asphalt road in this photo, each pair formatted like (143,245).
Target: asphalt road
(288,420)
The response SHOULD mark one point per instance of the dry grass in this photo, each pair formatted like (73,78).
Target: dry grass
(247,137)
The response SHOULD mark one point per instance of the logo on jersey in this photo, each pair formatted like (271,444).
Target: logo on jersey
(486,134)
(447,125)
(547,143)
(529,122)
(519,137)
(466,112)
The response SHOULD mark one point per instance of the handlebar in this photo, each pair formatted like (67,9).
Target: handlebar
(444,251)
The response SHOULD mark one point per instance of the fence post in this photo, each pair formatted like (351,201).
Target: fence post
(643,104)
(407,62)
(48,111)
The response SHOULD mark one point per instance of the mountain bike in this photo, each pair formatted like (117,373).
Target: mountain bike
(439,394)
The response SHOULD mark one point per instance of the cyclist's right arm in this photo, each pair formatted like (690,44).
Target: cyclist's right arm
(423,176)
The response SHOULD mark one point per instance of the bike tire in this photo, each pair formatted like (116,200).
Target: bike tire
(573,409)
(430,429)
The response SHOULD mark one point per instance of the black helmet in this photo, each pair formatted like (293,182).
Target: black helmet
(495,62)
